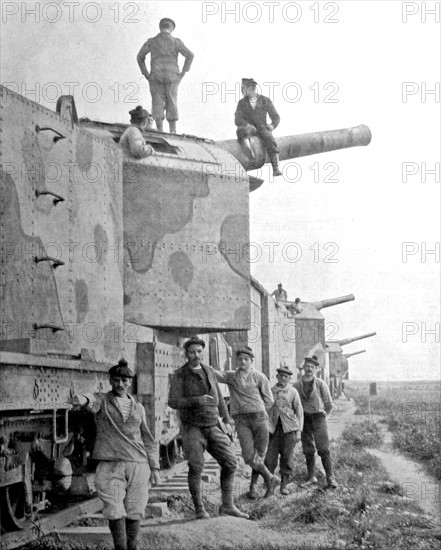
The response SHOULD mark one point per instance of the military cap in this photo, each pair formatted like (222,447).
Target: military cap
(121,370)
(194,341)
(312,360)
(167,20)
(284,370)
(248,82)
(245,350)
(139,113)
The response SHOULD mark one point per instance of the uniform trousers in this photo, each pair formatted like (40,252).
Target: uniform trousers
(282,444)
(164,98)
(265,135)
(252,431)
(124,488)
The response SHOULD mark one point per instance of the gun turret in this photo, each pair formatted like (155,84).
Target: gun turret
(301,145)
(347,355)
(333,301)
(350,340)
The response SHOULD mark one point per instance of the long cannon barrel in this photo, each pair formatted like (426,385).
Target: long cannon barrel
(333,301)
(301,145)
(350,340)
(347,355)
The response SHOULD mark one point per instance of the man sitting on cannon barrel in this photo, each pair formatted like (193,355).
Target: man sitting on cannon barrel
(251,119)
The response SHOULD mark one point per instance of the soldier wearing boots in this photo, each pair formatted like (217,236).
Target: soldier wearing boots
(195,393)
(251,119)
(285,426)
(250,399)
(165,76)
(127,453)
(317,404)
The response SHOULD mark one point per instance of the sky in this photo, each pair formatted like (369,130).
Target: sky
(364,220)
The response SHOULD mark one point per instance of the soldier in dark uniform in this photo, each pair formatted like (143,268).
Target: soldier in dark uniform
(164,76)
(195,393)
(251,119)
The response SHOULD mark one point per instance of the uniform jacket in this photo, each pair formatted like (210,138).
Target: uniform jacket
(287,406)
(119,440)
(248,395)
(164,50)
(245,114)
(320,400)
(133,143)
(187,386)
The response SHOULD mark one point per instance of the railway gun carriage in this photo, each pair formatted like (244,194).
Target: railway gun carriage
(104,256)
(338,363)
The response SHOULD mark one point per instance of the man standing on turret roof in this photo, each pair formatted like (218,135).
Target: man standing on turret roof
(251,119)
(280,294)
(165,75)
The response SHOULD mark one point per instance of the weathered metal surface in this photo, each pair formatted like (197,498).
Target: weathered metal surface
(33,387)
(43,152)
(186,239)
(301,145)
(155,362)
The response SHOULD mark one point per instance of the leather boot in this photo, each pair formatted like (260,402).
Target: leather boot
(275,164)
(271,481)
(228,507)
(310,466)
(132,532)
(159,124)
(172,125)
(118,530)
(246,147)
(327,465)
(253,494)
(195,488)
(284,485)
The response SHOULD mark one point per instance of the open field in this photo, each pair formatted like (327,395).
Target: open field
(412,411)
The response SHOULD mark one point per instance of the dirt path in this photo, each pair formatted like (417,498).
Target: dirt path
(415,484)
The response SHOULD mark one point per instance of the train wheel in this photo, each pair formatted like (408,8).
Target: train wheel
(168,454)
(13,504)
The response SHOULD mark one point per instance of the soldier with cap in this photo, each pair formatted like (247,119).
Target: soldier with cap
(285,426)
(317,404)
(251,119)
(164,76)
(132,141)
(195,393)
(127,453)
(250,399)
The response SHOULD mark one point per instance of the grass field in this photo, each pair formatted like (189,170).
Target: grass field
(412,411)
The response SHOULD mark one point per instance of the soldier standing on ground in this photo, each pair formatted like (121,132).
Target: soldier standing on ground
(132,141)
(251,119)
(285,426)
(250,398)
(164,76)
(317,404)
(127,453)
(195,393)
